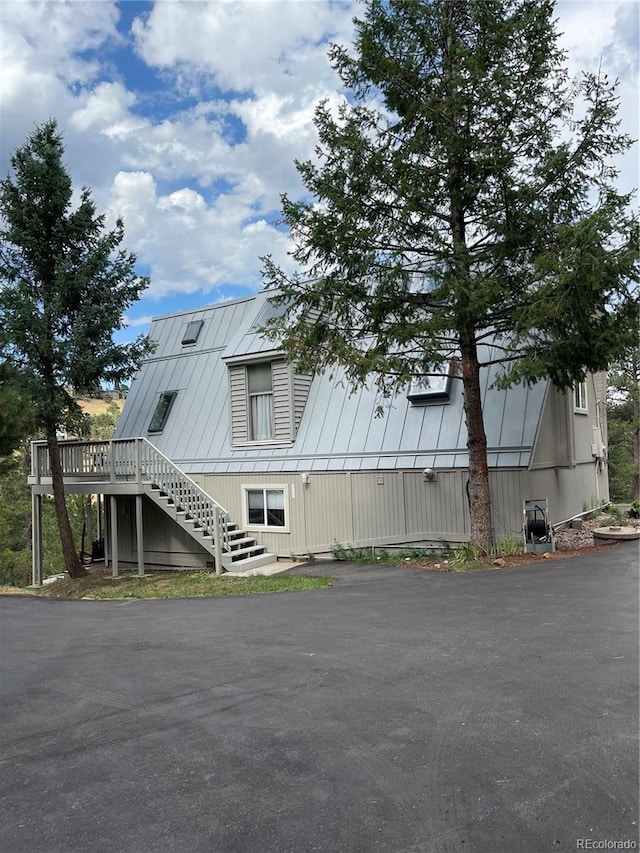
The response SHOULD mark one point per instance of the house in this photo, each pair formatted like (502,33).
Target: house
(225,456)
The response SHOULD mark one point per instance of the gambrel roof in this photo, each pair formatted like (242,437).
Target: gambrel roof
(338,429)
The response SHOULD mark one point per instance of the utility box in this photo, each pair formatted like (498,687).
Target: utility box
(536,528)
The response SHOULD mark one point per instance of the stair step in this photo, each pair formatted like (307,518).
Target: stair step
(241,553)
(236,544)
(244,551)
(236,534)
(249,563)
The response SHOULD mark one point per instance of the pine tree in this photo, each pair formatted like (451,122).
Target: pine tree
(461,208)
(65,284)
(624,427)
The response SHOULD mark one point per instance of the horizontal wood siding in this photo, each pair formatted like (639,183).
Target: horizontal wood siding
(238,404)
(301,386)
(281,383)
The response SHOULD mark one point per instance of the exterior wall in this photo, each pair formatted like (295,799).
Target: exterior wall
(565,435)
(564,468)
(372,507)
(360,508)
(301,387)
(282,402)
(570,490)
(553,442)
(165,543)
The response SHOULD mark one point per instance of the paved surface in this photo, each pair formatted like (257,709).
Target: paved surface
(398,711)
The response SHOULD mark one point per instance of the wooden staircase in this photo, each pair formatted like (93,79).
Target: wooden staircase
(196,512)
(137,464)
(240,552)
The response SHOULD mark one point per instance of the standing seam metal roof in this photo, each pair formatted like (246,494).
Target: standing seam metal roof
(339,430)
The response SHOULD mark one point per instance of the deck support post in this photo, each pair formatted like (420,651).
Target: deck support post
(114,537)
(99,516)
(36,539)
(217,544)
(105,530)
(139,536)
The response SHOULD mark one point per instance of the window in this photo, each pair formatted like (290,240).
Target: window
(260,390)
(266,506)
(161,413)
(437,387)
(266,401)
(192,331)
(580,397)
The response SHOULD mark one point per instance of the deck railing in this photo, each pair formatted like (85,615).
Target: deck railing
(135,460)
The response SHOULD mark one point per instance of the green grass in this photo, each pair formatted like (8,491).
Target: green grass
(172,585)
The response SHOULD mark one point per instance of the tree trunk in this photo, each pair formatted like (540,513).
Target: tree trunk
(71,560)
(479,497)
(635,455)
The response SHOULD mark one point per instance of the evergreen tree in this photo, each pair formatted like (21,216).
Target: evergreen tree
(17,422)
(461,211)
(65,284)
(624,428)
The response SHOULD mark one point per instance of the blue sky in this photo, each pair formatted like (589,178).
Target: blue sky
(185,118)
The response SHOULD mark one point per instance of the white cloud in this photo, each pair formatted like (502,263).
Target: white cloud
(194,146)
(107,106)
(602,36)
(252,46)
(189,245)
(137,322)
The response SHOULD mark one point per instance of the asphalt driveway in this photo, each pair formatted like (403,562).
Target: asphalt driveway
(398,711)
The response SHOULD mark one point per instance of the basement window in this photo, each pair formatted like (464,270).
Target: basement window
(162,410)
(265,507)
(192,331)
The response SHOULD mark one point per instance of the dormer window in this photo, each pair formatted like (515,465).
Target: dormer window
(266,400)
(260,390)
(191,332)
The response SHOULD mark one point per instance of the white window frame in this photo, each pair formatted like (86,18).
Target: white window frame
(250,399)
(580,400)
(265,487)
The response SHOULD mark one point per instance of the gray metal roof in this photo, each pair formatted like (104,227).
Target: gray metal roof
(339,430)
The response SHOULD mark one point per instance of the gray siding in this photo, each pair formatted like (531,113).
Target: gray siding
(165,543)
(282,403)
(553,442)
(238,404)
(301,387)
(368,508)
